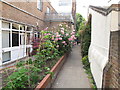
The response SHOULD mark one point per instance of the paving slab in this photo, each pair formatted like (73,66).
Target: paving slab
(72,74)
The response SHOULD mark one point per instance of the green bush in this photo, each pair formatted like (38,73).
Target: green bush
(49,49)
(86,64)
(85,40)
(22,77)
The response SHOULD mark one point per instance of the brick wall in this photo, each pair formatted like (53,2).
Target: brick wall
(74,12)
(31,7)
(112,70)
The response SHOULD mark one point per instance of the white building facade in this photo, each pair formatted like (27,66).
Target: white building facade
(104,21)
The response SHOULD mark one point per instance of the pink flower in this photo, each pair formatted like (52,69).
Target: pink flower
(60,25)
(72,33)
(57,46)
(57,35)
(75,43)
(56,39)
(70,39)
(45,34)
(46,28)
(53,36)
(62,31)
(48,34)
(67,34)
(59,38)
(64,42)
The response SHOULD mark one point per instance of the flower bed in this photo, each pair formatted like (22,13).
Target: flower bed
(48,79)
(51,46)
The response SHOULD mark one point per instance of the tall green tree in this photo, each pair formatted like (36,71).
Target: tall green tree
(80,21)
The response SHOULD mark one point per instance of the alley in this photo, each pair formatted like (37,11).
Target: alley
(72,74)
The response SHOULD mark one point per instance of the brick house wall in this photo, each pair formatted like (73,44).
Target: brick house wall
(112,70)
(74,12)
(37,17)
(24,14)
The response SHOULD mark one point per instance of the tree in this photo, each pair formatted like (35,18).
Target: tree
(80,21)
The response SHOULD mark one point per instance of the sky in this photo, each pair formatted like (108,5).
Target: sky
(82,5)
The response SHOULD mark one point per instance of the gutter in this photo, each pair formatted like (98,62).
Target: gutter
(10,20)
(105,12)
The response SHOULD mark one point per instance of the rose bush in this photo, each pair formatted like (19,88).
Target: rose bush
(47,49)
(62,39)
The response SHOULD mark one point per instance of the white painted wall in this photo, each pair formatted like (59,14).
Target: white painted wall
(100,39)
(115,20)
(99,48)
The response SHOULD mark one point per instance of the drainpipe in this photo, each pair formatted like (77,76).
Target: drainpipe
(0,42)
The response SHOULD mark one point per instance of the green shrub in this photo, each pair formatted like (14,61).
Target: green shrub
(85,40)
(22,77)
(86,64)
(48,49)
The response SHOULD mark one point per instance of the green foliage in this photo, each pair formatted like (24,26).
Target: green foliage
(83,34)
(21,63)
(86,66)
(85,60)
(80,21)
(80,25)
(85,40)
(47,52)
(29,72)
(22,77)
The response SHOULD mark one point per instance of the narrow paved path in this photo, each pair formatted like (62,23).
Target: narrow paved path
(72,74)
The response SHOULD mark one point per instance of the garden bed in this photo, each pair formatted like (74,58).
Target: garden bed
(45,79)
(49,79)
(48,51)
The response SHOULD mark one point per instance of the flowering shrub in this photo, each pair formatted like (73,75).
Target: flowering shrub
(48,48)
(62,39)
(35,44)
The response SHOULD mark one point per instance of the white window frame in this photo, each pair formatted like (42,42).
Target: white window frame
(40,5)
(10,49)
(48,10)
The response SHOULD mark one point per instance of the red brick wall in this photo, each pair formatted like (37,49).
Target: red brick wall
(74,12)
(31,7)
(112,70)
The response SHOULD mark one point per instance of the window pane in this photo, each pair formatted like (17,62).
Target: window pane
(28,39)
(5,25)
(48,10)
(6,56)
(29,28)
(22,38)
(5,39)
(40,4)
(22,27)
(15,39)
(15,26)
